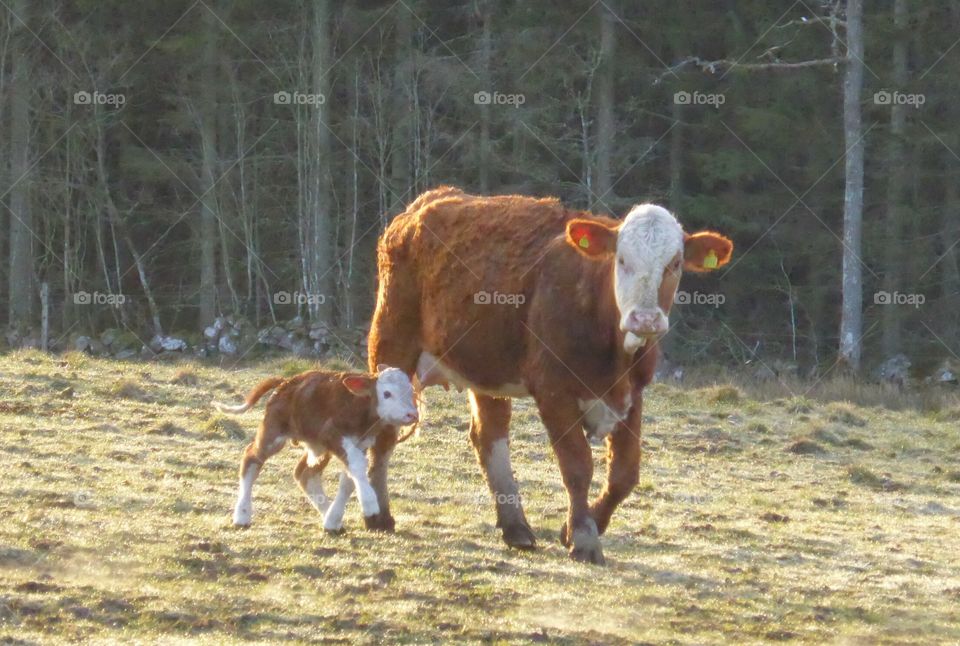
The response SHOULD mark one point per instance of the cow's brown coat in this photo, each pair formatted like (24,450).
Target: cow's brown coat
(562,344)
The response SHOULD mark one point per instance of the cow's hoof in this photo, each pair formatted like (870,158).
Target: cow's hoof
(519,536)
(333,531)
(564,536)
(591,554)
(382,522)
(585,543)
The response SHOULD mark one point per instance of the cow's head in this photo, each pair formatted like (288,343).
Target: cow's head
(650,250)
(396,404)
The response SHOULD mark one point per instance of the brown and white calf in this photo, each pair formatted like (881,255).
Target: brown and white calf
(339,414)
(512,296)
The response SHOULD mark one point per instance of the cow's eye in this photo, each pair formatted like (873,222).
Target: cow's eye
(675,266)
(387,394)
(622,262)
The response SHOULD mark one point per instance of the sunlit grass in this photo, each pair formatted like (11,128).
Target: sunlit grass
(759,516)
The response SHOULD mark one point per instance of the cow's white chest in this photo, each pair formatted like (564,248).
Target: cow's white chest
(600,418)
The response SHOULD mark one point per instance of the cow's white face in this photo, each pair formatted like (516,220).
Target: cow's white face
(648,259)
(396,404)
(649,250)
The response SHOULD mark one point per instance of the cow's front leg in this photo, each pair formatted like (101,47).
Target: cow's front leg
(489,431)
(623,469)
(563,421)
(379,459)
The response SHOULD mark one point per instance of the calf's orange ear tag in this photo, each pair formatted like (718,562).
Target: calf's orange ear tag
(710,261)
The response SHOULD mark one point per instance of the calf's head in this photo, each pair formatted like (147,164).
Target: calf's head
(649,250)
(396,404)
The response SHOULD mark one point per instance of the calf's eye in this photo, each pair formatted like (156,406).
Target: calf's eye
(387,394)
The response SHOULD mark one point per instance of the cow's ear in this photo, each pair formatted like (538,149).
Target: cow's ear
(706,251)
(591,238)
(358,385)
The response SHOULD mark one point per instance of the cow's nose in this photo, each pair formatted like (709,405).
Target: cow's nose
(411,418)
(645,322)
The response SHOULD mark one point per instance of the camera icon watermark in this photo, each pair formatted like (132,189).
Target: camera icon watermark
(886,97)
(98,298)
(698,298)
(497,98)
(699,98)
(298,298)
(99,98)
(298,98)
(898,298)
(496,298)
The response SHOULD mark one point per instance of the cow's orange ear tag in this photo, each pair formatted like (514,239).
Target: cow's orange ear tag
(584,242)
(710,261)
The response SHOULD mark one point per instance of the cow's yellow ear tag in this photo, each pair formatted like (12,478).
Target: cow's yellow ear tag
(710,262)
(584,242)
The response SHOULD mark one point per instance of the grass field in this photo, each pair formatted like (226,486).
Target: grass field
(786,519)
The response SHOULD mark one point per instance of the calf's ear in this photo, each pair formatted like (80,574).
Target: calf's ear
(358,384)
(706,251)
(591,238)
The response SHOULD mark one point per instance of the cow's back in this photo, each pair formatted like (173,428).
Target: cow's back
(474,261)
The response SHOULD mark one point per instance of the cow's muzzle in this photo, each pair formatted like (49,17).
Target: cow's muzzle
(645,322)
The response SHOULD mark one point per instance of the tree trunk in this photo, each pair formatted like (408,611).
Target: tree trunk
(208,201)
(483,170)
(606,118)
(402,136)
(21,216)
(950,228)
(896,165)
(851,322)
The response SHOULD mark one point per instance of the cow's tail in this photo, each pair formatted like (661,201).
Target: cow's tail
(261,389)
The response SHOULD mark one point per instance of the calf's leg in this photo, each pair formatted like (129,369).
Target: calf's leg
(489,431)
(333,521)
(309,475)
(355,475)
(379,460)
(562,419)
(269,440)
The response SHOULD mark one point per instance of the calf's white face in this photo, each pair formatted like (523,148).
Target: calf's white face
(395,401)
(649,250)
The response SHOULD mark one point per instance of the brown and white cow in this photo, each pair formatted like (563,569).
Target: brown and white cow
(513,296)
(329,413)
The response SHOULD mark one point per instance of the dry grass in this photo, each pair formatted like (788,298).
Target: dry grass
(116,504)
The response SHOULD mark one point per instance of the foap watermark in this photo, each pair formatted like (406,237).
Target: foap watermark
(699,298)
(99,98)
(298,298)
(886,97)
(699,98)
(498,98)
(496,298)
(98,298)
(898,298)
(483,498)
(298,98)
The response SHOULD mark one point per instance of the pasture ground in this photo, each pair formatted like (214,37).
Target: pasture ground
(788,519)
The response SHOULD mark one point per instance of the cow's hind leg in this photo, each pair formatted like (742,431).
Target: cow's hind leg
(269,440)
(489,431)
(309,475)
